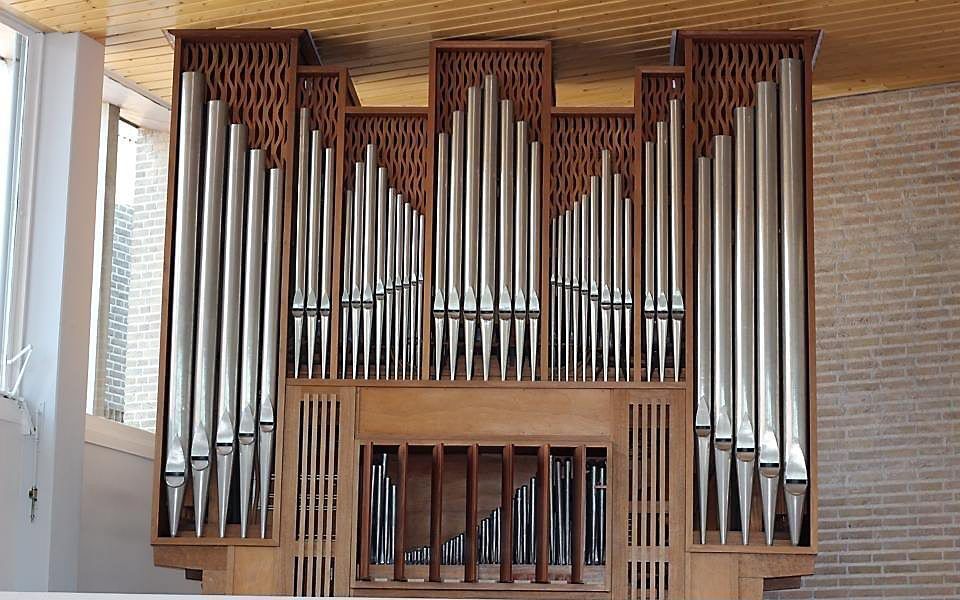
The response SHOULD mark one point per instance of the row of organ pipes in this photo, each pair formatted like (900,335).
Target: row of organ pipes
(591,273)
(383,520)
(487,236)
(224,329)
(751,388)
(381,303)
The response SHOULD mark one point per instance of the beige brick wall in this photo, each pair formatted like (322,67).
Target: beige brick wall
(887,217)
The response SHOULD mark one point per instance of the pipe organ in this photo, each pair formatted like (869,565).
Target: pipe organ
(491,347)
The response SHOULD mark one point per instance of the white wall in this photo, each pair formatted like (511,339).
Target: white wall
(115,552)
(10,458)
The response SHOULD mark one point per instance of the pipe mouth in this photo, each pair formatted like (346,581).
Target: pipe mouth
(199,463)
(769,470)
(795,487)
(723,444)
(175,479)
(746,454)
(703,430)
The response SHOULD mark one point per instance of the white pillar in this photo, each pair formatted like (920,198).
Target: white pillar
(57,320)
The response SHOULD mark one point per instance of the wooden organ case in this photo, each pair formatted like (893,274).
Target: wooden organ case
(386,472)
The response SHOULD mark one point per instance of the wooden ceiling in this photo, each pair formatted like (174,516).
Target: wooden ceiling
(869,44)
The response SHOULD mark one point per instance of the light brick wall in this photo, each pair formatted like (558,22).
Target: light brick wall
(146,259)
(887,218)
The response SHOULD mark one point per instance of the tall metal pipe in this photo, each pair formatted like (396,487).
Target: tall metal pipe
(676,232)
(627,286)
(488,220)
(208,305)
(583,265)
(533,256)
(794,315)
(413,332)
(722,324)
(743,307)
(314,182)
(390,281)
(555,295)
(567,291)
(359,241)
(192,93)
(471,215)
(456,233)
(768,303)
(347,280)
(326,258)
(227,390)
(399,328)
(507,191)
(302,228)
(521,243)
(440,247)
(606,236)
(663,240)
(271,338)
(703,419)
(418,336)
(407,257)
(649,245)
(250,329)
(369,252)
(576,258)
(379,280)
(616,258)
(594,270)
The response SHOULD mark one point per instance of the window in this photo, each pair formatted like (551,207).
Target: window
(132,212)
(13,52)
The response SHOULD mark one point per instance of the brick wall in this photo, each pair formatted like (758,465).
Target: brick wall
(146,267)
(887,217)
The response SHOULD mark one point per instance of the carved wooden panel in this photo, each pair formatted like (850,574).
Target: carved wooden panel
(401,140)
(724,75)
(521,72)
(321,93)
(655,91)
(252,78)
(577,141)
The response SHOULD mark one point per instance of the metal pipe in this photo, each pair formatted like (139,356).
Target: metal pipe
(326,261)
(455,231)
(375,509)
(271,338)
(390,281)
(602,516)
(488,220)
(576,258)
(583,266)
(369,251)
(314,183)
(567,491)
(471,225)
(409,224)
(594,270)
(722,325)
(768,303)
(703,425)
(418,336)
(440,246)
(204,377)
(412,333)
(794,315)
(627,286)
(192,92)
(617,283)
(302,228)
(556,259)
(662,241)
(347,278)
(533,255)
(649,244)
(567,292)
(250,329)
(676,232)
(226,437)
(743,308)
(398,318)
(507,191)
(592,499)
(379,285)
(521,243)
(356,289)
(606,235)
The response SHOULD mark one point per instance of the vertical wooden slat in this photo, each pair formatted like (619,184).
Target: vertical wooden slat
(317,476)
(634,496)
(436,512)
(644,499)
(302,508)
(542,521)
(310,555)
(470,543)
(506,515)
(363,571)
(346,497)
(661,494)
(327,500)
(399,543)
(579,513)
